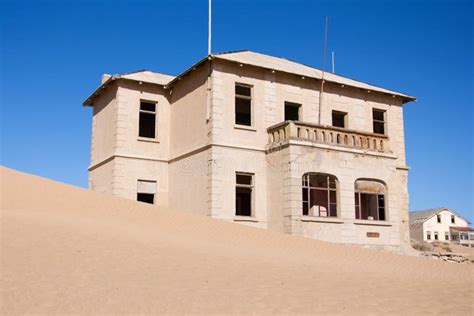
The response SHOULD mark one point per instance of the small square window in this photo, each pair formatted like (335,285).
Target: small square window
(339,119)
(292,111)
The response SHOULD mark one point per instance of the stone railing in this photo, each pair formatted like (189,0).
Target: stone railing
(329,135)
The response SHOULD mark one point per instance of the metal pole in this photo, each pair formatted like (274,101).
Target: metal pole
(209,30)
(332,61)
(322,75)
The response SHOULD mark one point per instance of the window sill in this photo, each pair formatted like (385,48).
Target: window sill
(245,219)
(245,128)
(318,219)
(148,140)
(371,222)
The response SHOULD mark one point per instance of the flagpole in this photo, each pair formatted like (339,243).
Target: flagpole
(209,30)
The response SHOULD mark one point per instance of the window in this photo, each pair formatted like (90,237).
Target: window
(379,121)
(292,111)
(428,235)
(243,104)
(438,218)
(453,219)
(319,195)
(370,200)
(243,194)
(436,235)
(446,236)
(147,119)
(146,191)
(339,119)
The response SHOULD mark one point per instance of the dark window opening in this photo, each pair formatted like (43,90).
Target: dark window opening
(369,198)
(292,111)
(446,236)
(339,119)
(436,235)
(243,194)
(146,198)
(319,195)
(379,121)
(453,219)
(438,218)
(428,235)
(147,120)
(243,105)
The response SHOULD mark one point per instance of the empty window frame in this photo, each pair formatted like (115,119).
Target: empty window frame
(147,120)
(378,117)
(339,119)
(436,235)
(438,218)
(453,219)
(370,200)
(243,104)
(243,194)
(146,191)
(292,111)
(428,235)
(319,195)
(446,235)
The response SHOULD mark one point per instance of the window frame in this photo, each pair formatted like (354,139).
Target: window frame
(384,121)
(357,201)
(154,182)
(345,118)
(250,186)
(453,219)
(155,113)
(436,236)
(438,218)
(306,185)
(428,235)
(446,236)
(244,97)
(292,104)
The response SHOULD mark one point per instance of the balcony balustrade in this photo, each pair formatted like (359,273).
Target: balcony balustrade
(329,135)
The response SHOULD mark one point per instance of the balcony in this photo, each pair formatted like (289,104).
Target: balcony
(327,135)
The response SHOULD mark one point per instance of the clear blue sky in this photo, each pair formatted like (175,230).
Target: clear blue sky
(54,52)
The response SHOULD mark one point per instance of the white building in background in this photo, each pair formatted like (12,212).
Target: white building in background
(441,224)
(250,138)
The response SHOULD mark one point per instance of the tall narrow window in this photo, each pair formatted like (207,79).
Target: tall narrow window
(379,121)
(319,195)
(146,191)
(436,235)
(453,219)
(147,120)
(292,111)
(369,200)
(428,235)
(243,194)
(339,119)
(438,218)
(446,235)
(243,104)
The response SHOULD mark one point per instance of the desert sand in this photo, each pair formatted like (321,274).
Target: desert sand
(69,250)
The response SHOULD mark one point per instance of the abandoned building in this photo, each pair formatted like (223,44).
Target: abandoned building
(441,224)
(259,140)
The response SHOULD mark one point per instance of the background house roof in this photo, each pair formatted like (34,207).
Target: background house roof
(289,66)
(422,216)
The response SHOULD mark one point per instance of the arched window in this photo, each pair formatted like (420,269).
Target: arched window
(319,195)
(370,203)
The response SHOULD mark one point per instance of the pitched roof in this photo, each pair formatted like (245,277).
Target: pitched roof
(289,66)
(139,76)
(254,59)
(422,216)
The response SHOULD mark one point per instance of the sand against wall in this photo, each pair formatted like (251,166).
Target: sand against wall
(68,250)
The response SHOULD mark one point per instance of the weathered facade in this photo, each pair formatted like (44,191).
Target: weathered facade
(250,138)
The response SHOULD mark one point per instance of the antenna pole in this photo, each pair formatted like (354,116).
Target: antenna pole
(322,75)
(333,61)
(209,28)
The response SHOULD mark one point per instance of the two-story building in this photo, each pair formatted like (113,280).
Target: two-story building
(259,140)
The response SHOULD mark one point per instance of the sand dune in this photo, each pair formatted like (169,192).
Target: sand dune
(69,250)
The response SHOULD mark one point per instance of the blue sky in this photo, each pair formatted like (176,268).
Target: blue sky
(54,52)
